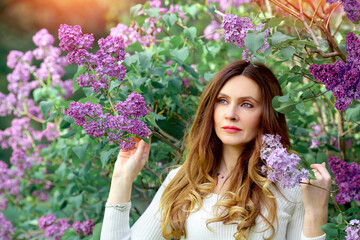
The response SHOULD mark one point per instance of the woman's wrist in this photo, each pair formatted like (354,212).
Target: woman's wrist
(120,191)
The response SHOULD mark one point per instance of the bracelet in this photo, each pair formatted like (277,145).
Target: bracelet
(122,207)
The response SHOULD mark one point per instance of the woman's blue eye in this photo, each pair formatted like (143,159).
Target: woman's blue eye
(247,105)
(222,101)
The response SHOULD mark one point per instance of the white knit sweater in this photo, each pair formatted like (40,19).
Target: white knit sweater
(290,217)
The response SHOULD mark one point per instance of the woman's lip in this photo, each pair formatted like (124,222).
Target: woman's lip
(231,129)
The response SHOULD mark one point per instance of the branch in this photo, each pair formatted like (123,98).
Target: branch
(326,55)
(315,12)
(162,138)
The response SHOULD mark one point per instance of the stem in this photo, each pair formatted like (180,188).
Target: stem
(338,207)
(220,13)
(161,137)
(313,17)
(308,183)
(286,8)
(341,140)
(167,135)
(331,13)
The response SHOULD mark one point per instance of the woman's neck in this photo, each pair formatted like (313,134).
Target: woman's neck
(230,156)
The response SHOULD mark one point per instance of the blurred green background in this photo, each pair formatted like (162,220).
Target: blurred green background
(21,19)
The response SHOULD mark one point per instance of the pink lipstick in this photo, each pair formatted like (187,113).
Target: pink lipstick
(231,129)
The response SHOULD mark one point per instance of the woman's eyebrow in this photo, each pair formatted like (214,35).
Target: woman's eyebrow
(240,98)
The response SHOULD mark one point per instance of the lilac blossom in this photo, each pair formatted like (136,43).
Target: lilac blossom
(236,29)
(43,38)
(280,166)
(315,143)
(211,32)
(342,78)
(46,221)
(224,4)
(351,7)
(52,226)
(106,63)
(6,228)
(115,128)
(347,176)
(353,230)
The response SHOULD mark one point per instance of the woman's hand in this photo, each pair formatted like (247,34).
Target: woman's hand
(316,200)
(127,167)
(130,162)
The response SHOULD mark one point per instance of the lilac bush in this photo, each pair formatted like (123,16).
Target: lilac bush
(280,166)
(342,78)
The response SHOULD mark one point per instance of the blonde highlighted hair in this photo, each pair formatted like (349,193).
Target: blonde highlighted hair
(248,192)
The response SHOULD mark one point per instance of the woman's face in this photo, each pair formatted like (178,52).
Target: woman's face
(238,111)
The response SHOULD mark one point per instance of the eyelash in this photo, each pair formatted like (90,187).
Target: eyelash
(222,99)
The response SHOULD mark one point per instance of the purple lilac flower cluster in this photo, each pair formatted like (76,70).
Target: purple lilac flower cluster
(6,228)
(347,176)
(351,7)
(145,37)
(342,78)
(105,64)
(21,84)
(211,32)
(84,228)
(224,4)
(54,227)
(116,128)
(280,166)
(317,132)
(236,29)
(353,230)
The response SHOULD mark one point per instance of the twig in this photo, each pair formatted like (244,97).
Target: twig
(158,135)
(338,207)
(313,17)
(326,55)
(330,15)
(166,134)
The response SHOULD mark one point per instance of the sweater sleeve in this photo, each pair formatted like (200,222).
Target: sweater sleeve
(295,226)
(116,223)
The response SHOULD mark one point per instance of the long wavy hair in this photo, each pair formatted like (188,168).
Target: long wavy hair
(248,191)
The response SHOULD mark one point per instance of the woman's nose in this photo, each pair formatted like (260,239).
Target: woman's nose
(231,113)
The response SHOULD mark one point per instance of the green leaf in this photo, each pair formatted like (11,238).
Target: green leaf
(145,60)
(45,107)
(134,10)
(176,41)
(287,52)
(81,70)
(180,55)
(353,114)
(279,37)
(61,170)
(91,99)
(85,170)
(153,12)
(190,70)
(135,47)
(339,218)
(80,151)
(174,85)
(284,98)
(208,76)
(76,201)
(254,41)
(192,10)
(157,71)
(114,84)
(70,234)
(286,107)
(130,60)
(308,94)
(169,19)
(331,230)
(273,22)
(304,42)
(105,157)
(191,33)
(97,231)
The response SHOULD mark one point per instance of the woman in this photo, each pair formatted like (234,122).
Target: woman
(220,192)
